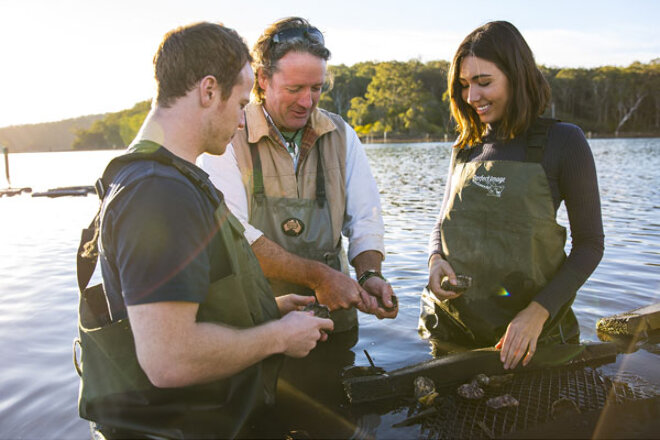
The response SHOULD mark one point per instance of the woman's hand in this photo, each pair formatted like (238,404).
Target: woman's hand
(438,269)
(291,302)
(521,335)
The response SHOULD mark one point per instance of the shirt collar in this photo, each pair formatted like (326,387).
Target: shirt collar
(258,125)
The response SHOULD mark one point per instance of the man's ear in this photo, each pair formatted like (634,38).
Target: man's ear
(208,90)
(262,79)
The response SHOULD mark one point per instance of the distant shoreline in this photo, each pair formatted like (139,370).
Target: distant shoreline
(372,141)
(415,140)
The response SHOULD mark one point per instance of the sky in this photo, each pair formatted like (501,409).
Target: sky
(61,59)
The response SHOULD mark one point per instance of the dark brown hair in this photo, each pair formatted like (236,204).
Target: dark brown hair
(529,93)
(189,53)
(266,54)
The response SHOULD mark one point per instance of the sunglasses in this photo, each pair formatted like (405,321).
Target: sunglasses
(297,34)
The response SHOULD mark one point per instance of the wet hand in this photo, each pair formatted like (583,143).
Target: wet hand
(438,269)
(301,331)
(521,335)
(338,291)
(382,292)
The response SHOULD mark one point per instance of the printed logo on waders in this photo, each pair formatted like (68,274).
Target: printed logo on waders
(494,185)
(293,227)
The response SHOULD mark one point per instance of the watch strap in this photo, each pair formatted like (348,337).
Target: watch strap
(370,274)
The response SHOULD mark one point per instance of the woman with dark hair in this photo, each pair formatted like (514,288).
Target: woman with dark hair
(496,244)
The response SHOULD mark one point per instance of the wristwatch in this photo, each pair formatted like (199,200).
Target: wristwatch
(369,273)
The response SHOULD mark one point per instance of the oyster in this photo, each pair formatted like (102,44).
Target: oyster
(498,381)
(425,392)
(504,401)
(463,282)
(319,310)
(563,406)
(381,304)
(481,380)
(471,391)
(423,386)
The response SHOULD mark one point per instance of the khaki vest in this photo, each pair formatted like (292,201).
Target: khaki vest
(328,135)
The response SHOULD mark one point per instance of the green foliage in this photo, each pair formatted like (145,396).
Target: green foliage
(347,83)
(115,130)
(399,98)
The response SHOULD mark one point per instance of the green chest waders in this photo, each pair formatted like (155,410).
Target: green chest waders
(499,228)
(302,227)
(115,391)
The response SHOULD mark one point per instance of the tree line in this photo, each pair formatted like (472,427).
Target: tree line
(45,136)
(409,100)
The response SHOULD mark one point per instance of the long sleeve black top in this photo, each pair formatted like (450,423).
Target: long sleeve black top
(571,172)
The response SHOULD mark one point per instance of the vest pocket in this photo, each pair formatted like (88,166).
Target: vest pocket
(109,363)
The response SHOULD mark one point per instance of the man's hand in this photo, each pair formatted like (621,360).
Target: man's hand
(521,335)
(378,288)
(291,302)
(438,269)
(333,289)
(375,288)
(300,331)
(338,291)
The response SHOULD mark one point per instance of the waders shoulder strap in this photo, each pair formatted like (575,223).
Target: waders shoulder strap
(537,139)
(87,255)
(118,163)
(320,179)
(258,188)
(461,155)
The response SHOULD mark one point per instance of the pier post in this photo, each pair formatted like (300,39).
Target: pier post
(5,151)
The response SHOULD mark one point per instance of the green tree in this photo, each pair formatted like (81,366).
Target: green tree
(396,97)
(573,94)
(115,130)
(347,83)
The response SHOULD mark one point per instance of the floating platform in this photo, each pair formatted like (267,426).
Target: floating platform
(11,192)
(560,391)
(75,191)
(636,322)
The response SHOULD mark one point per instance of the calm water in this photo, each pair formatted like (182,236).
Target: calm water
(38,300)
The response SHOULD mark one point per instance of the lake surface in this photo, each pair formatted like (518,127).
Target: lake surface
(38,291)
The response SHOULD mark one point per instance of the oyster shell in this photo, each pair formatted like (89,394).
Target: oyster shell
(563,406)
(503,401)
(498,381)
(319,310)
(471,391)
(463,282)
(481,380)
(425,392)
